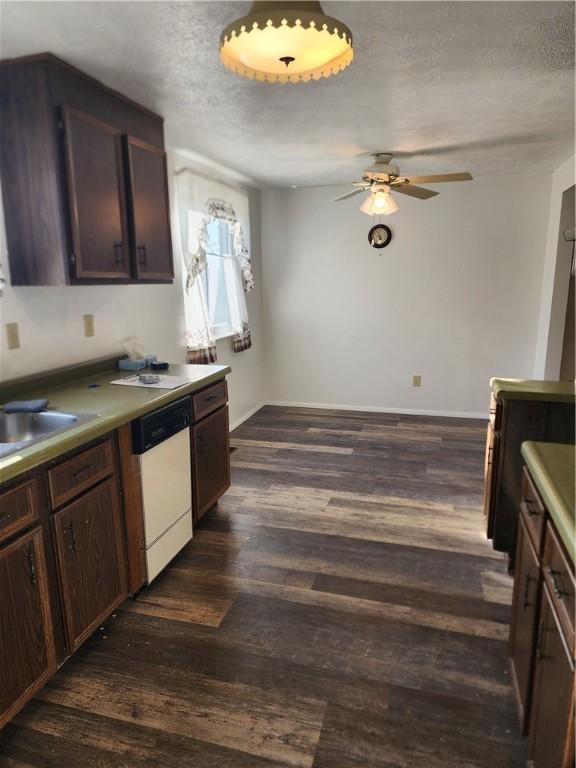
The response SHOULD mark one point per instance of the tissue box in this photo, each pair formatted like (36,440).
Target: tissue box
(132,365)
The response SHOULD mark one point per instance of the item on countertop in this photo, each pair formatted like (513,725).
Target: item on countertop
(26,406)
(159,365)
(136,358)
(148,378)
(164,382)
(150,359)
(132,365)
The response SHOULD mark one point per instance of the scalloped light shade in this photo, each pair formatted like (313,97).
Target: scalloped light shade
(286,42)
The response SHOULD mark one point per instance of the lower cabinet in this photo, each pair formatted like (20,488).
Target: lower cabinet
(542,635)
(92,561)
(211,452)
(490,460)
(523,631)
(27,654)
(551,743)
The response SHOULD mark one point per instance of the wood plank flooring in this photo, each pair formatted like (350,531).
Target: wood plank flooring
(340,608)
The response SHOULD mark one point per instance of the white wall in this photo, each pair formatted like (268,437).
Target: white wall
(52,332)
(454,297)
(554,295)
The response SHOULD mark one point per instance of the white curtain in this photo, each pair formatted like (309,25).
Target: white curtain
(200,200)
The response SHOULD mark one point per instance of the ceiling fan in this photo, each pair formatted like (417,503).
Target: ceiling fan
(383,177)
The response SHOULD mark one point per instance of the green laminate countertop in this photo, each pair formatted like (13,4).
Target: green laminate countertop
(533,389)
(114,405)
(551,466)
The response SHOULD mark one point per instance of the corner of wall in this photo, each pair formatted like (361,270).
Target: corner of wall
(554,284)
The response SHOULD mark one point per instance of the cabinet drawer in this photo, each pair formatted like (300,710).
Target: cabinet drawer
(559,575)
(209,400)
(533,511)
(18,509)
(80,473)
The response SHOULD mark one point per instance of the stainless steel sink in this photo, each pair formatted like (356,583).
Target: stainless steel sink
(19,430)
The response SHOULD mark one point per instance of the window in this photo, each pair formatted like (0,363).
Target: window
(221,281)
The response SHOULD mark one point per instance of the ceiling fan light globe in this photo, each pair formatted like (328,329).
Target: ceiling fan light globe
(379,203)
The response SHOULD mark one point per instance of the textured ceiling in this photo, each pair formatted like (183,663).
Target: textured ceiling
(481,86)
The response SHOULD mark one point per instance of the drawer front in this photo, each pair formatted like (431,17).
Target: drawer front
(559,575)
(495,413)
(533,512)
(80,473)
(18,509)
(209,400)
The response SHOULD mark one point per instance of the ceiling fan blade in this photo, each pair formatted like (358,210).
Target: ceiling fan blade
(350,194)
(435,178)
(419,192)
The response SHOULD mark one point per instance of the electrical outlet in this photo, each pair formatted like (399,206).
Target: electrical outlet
(13,335)
(416,381)
(88,326)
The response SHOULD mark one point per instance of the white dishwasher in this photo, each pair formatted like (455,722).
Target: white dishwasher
(161,440)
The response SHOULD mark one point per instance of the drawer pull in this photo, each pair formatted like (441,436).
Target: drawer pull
(201,444)
(533,512)
(526,603)
(141,250)
(82,474)
(560,594)
(5,516)
(540,642)
(119,252)
(212,397)
(32,566)
(71,538)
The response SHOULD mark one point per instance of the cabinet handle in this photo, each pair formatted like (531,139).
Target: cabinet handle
(212,397)
(540,641)
(5,516)
(141,249)
(82,474)
(72,538)
(201,444)
(119,252)
(32,566)
(526,603)
(560,594)
(530,508)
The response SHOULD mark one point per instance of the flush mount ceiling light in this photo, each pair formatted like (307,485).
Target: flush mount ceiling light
(379,202)
(286,41)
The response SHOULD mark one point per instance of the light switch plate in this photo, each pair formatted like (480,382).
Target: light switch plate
(13,335)
(417,381)
(88,326)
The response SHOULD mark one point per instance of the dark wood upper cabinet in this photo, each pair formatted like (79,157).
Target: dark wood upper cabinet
(92,560)
(27,657)
(148,182)
(96,197)
(68,174)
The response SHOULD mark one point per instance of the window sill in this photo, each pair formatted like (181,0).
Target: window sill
(222,333)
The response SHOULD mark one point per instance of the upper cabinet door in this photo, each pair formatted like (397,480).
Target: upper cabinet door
(97,195)
(150,211)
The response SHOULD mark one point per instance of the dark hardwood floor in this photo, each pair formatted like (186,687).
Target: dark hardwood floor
(340,608)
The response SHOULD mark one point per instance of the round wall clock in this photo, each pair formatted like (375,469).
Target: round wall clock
(379,236)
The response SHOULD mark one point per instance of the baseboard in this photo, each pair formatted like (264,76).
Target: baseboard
(246,416)
(379,409)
